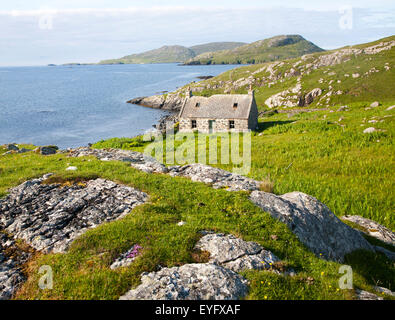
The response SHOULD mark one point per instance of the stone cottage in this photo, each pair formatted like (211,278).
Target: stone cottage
(219,113)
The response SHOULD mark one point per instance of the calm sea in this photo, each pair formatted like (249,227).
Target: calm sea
(71,106)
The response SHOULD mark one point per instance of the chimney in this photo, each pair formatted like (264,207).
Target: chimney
(251,91)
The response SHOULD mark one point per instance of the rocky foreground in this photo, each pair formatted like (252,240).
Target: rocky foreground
(48,217)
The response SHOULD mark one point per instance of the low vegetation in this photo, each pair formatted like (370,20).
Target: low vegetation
(84,273)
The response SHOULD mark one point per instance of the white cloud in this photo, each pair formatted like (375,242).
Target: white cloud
(93,34)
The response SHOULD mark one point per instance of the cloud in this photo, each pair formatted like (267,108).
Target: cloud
(45,35)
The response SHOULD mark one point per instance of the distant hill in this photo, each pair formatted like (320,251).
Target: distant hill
(165,54)
(276,48)
(216,46)
(170,54)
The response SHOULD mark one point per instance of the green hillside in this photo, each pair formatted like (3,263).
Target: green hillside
(166,54)
(171,54)
(361,73)
(276,48)
(215,46)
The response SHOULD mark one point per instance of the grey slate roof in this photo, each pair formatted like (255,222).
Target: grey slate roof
(218,106)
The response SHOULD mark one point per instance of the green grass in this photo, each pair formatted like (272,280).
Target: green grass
(375,86)
(83,272)
(351,172)
(260,52)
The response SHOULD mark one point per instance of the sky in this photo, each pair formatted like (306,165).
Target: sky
(40,32)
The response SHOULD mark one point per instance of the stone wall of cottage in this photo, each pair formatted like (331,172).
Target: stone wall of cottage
(220,125)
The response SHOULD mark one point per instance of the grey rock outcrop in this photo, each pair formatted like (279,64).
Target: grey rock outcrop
(365,295)
(370,130)
(313,223)
(310,97)
(373,229)
(11,147)
(11,275)
(127,258)
(217,177)
(235,254)
(171,101)
(50,217)
(190,282)
(196,172)
(46,150)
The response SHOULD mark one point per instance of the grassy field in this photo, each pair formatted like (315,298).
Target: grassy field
(371,87)
(317,154)
(84,273)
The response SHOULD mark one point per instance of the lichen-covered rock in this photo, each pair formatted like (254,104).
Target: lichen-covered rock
(373,229)
(46,150)
(136,159)
(190,282)
(217,177)
(313,223)
(11,147)
(384,291)
(310,97)
(365,295)
(196,172)
(50,217)
(369,130)
(11,275)
(235,253)
(127,258)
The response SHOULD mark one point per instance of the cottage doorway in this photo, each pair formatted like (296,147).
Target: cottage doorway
(211,124)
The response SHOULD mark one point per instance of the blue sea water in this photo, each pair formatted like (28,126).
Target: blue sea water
(71,106)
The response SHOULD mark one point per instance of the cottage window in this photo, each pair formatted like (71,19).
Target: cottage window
(231,124)
(235,105)
(193,124)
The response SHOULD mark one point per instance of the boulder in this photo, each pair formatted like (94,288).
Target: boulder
(127,258)
(217,177)
(390,108)
(12,147)
(313,223)
(236,254)
(155,102)
(11,274)
(190,282)
(365,295)
(46,150)
(370,130)
(375,104)
(50,217)
(309,98)
(373,229)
